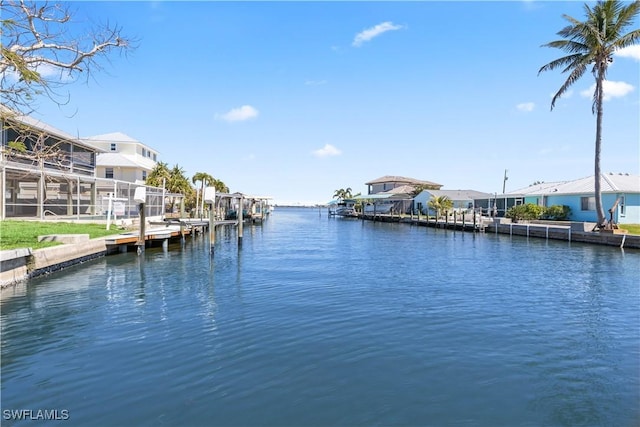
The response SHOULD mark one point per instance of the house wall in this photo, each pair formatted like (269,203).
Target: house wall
(630,216)
(386,186)
(137,151)
(425,196)
(631,210)
(120,173)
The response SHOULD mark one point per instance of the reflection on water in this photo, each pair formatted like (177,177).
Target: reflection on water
(317,321)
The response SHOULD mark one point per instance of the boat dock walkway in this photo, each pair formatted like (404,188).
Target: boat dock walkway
(556,230)
(160,232)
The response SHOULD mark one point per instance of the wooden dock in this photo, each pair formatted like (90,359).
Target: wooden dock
(157,233)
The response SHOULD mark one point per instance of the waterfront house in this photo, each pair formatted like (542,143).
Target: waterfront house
(122,157)
(41,167)
(579,196)
(48,173)
(392,193)
(390,182)
(463,200)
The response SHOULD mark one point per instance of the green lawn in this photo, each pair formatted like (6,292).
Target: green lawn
(631,228)
(24,234)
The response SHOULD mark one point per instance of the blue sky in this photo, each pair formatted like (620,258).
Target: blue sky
(297,99)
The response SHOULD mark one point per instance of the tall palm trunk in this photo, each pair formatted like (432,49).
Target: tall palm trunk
(197,203)
(598,191)
(202,198)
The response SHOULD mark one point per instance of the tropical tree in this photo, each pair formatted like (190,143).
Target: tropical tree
(343,193)
(592,43)
(204,179)
(440,204)
(159,175)
(178,183)
(220,186)
(37,57)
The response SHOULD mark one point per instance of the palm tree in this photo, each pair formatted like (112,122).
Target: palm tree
(178,183)
(591,44)
(220,186)
(158,174)
(440,204)
(343,193)
(205,179)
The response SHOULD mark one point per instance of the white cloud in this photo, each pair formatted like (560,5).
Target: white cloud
(370,33)
(245,112)
(327,151)
(611,90)
(630,52)
(315,82)
(526,106)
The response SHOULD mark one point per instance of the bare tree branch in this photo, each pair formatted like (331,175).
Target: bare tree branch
(38,56)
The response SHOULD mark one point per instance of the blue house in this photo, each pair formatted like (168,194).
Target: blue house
(579,195)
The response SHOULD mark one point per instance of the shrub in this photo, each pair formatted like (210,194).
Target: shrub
(557,212)
(528,211)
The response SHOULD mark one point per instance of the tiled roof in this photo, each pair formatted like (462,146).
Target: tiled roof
(403,189)
(400,179)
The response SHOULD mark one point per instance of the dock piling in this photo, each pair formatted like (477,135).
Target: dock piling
(240,221)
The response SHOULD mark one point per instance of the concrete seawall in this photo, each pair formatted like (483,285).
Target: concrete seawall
(21,264)
(556,230)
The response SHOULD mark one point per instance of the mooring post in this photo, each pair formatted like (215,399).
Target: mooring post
(140,196)
(142,228)
(212,230)
(240,220)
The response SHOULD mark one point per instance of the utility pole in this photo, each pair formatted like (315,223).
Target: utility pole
(504,181)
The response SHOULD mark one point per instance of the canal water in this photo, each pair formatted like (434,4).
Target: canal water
(319,321)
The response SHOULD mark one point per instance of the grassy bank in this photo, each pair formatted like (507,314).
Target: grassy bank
(24,234)
(631,228)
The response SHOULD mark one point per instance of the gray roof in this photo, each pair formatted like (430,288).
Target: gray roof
(609,183)
(44,127)
(460,194)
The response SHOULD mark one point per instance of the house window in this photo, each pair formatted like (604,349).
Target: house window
(588,203)
(144,175)
(108,173)
(154,157)
(144,152)
(621,205)
(113,147)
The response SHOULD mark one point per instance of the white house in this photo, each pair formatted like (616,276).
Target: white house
(124,158)
(463,200)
